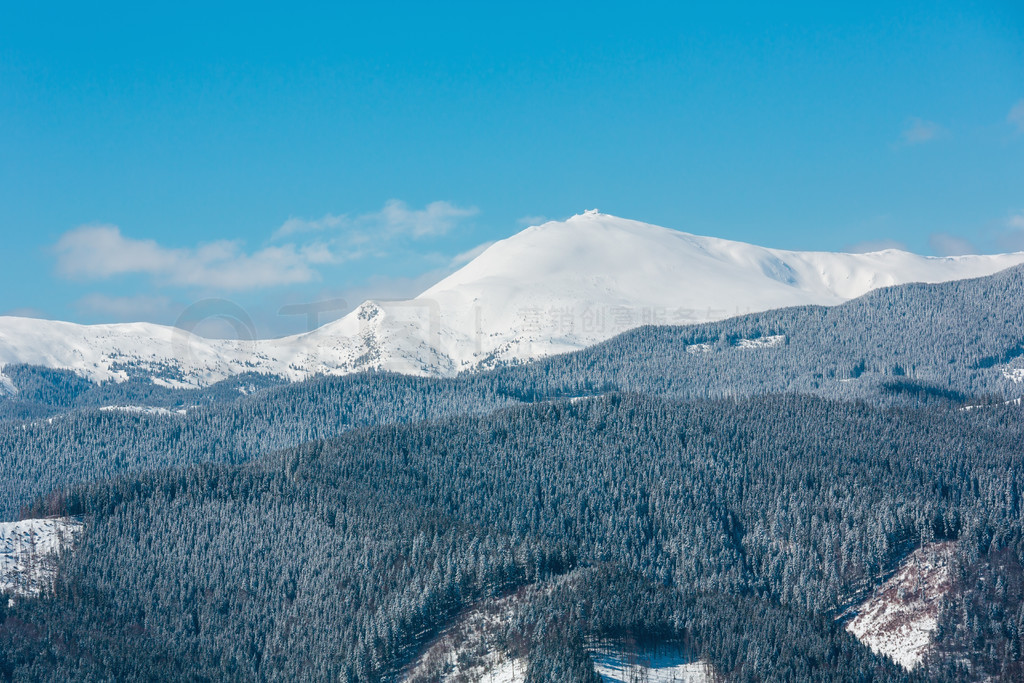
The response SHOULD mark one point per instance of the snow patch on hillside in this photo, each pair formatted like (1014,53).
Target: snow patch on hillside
(617,664)
(900,617)
(769,342)
(469,650)
(501,670)
(7,385)
(1016,375)
(1011,402)
(144,410)
(169,383)
(29,551)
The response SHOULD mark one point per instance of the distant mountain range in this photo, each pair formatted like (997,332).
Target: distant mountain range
(552,288)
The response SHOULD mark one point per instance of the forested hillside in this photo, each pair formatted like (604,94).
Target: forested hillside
(732,489)
(725,524)
(85,444)
(957,342)
(951,341)
(712,511)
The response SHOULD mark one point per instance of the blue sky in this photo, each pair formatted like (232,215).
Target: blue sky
(156,156)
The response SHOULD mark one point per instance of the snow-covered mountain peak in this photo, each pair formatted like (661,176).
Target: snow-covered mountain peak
(550,288)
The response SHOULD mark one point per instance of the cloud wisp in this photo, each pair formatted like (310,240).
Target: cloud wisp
(869,246)
(100,252)
(1012,238)
(135,307)
(528,221)
(1016,116)
(919,131)
(468,255)
(944,244)
(393,220)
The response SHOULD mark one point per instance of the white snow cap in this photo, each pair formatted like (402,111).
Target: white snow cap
(551,288)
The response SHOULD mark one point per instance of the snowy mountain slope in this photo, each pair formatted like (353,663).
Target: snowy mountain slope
(551,288)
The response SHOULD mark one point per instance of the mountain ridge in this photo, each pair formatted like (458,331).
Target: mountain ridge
(552,288)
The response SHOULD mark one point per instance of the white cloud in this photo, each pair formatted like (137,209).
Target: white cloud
(128,308)
(96,252)
(919,131)
(25,312)
(1016,116)
(1012,239)
(123,305)
(468,255)
(393,220)
(874,245)
(139,306)
(300,225)
(945,244)
(436,219)
(529,221)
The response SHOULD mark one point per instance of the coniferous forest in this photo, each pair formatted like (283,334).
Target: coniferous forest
(677,485)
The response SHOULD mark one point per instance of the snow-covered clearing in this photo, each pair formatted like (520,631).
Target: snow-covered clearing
(618,664)
(474,649)
(1011,402)
(762,342)
(900,617)
(29,550)
(6,385)
(1016,375)
(470,650)
(144,410)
